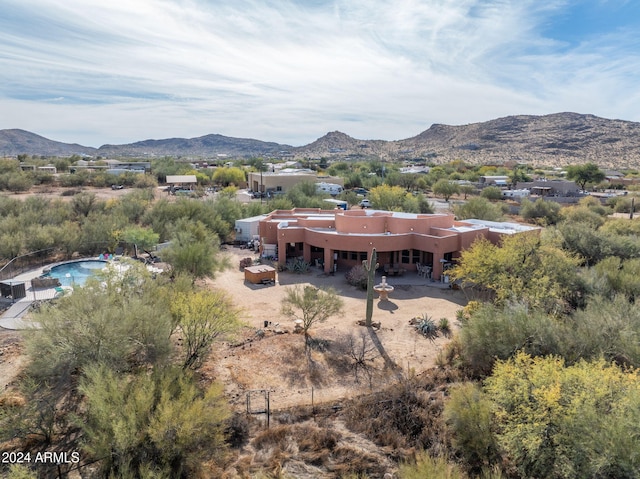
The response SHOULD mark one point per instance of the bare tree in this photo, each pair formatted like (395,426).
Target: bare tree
(362,352)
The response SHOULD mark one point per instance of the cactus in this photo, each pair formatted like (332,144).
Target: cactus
(370,266)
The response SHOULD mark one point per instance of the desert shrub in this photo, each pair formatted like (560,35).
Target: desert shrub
(406,414)
(16,182)
(356,462)
(540,212)
(245,262)
(479,208)
(492,333)
(237,431)
(427,466)
(468,416)
(160,422)
(19,471)
(357,276)
(558,421)
(445,327)
(492,193)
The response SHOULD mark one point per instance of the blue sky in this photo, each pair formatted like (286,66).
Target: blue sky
(292,70)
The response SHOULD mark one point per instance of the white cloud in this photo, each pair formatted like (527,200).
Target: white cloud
(290,71)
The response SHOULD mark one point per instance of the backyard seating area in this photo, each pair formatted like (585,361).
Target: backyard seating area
(424,271)
(393,270)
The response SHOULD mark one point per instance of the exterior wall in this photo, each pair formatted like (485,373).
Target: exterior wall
(247,228)
(558,187)
(285,181)
(349,236)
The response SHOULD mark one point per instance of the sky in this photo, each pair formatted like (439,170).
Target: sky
(289,71)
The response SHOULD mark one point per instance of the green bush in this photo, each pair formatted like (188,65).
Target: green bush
(540,212)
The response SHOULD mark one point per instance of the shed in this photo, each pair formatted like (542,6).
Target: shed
(247,228)
(182,179)
(260,274)
(13,290)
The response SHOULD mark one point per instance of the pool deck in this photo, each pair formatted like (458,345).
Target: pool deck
(13,317)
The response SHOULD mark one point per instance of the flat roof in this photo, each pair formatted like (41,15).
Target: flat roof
(181,179)
(252,218)
(504,227)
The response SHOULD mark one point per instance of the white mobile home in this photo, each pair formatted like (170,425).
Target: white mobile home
(330,188)
(247,228)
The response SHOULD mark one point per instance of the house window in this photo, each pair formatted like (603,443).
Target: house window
(416,256)
(363,256)
(354,255)
(278,188)
(344,254)
(406,255)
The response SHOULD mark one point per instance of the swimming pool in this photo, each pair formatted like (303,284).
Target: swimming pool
(75,272)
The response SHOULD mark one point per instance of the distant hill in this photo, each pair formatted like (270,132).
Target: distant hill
(556,139)
(18,142)
(204,146)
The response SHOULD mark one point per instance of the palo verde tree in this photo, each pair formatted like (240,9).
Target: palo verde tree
(123,323)
(387,197)
(202,317)
(553,420)
(193,250)
(523,268)
(311,305)
(445,188)
(151,425)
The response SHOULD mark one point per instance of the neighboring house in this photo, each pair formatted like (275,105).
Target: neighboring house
(286,179)
(345,238)
(181,182)
(500,180)
(130,166)
(551,187)
(113,167)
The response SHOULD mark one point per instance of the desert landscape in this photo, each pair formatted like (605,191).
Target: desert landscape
(273,357)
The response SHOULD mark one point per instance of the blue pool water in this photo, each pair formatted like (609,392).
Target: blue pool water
(75,272)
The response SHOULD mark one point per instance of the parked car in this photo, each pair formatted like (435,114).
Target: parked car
(365,204)
(117,187)
(361,191)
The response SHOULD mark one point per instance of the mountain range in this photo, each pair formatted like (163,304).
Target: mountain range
(552,140)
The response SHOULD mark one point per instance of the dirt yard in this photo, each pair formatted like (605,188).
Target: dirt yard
(273,357)
(56,192)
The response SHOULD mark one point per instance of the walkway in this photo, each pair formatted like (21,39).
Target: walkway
(13,317)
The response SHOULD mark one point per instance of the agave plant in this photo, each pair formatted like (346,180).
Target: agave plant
(427,327)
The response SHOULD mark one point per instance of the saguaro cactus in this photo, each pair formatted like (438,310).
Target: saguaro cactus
(370,266)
